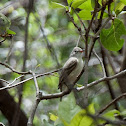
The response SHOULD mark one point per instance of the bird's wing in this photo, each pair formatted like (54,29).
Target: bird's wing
(69,66)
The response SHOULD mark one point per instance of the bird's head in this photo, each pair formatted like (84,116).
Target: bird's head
(77,52)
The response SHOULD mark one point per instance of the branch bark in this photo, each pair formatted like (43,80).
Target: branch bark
(7,107)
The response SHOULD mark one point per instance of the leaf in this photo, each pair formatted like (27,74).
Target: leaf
(68,108)
(78,118)
(65,123)
(69,1)
(123,1)
(37,66)
(53,117)
(10,32)
(81,119)
(123,113)
(111,114)
(57,5)
(79,85)
(119,7)
(77,3)
(86,15)
(60,125)
(46,123)
(110,38)
(86,5)
(91,109)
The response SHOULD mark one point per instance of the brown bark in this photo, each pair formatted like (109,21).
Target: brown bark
(122,79)
(8,108)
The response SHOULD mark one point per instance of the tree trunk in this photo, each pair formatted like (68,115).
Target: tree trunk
(8,107)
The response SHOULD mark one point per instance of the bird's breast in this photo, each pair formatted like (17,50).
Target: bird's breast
(74,74)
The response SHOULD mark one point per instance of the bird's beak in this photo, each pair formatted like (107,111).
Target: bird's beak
(82,50)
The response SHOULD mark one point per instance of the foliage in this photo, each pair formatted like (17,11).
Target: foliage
(69,114)
(110,38)
(51,37)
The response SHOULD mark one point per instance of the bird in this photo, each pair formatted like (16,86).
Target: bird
(71,69)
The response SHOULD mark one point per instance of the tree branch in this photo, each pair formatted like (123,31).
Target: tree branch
(19,83)
(103,79)
(102,65)
(38,95)
(112,102)
(13,70)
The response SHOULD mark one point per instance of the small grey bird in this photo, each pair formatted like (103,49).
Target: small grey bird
(71,69)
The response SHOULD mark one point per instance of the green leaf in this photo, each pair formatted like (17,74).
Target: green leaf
(81,119)
(91,109)
(119,7)
(123,113)
(79,85)
(65,123)
(85,15)
(68,108)
(123,1)
(77,3)
(110,38)
(69,1)
(10,32)
(86,5)
(57,5)
(111,114)
(78,118)
(60,125)
(46,123)
(53,117)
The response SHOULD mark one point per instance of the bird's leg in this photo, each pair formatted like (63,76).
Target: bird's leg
(69,86)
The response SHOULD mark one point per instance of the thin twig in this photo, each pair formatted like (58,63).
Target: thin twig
(17,113)
(103,79)
(4,81)
(13,70)
(114,122)
(55,95)
(61,94)
(2,41)
(76,26)
(49,45)
(112,102)
(85,92)
(36,84)
(96,36)
(30,120)
(80,19)
(110,60)
(16,79)
(38,95)
(103,69)
(78,41)
(108,83)
(19,83)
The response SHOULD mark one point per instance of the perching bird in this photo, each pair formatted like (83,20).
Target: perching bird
(4,24)
(71,69)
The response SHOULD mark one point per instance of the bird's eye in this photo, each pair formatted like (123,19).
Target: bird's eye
(75,51)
